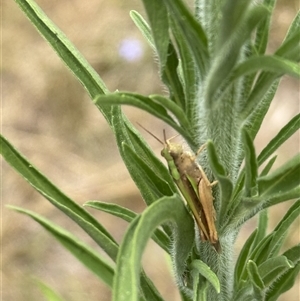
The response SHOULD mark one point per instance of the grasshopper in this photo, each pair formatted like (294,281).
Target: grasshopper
(194,186)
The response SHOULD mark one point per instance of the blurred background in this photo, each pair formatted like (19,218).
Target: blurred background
(48,116)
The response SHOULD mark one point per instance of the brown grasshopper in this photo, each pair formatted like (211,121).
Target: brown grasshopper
(194,186)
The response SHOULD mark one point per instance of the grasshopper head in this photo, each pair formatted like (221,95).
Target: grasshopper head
(171,150)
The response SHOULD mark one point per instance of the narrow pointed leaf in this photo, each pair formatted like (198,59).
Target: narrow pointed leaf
(150,185)
(167,209)
(169,72)
(245,293)
(287,281)
(282,228)
(282,197)
(286,132)
(254,275)
(225,183)
(159,236)
(114,209)
(171,78)
(228,55)
(293,28)
(188,70)
(143,151)
(268,167)
(273,268)
(241,265)
(233,14)
(266,63)
(142,25)
(259,252)
(80,250)
(257,103)
(282,180)
(48,292)
(126,134)
(262,32)
(250,166)
(203,269)
(58,199)
(142,102)
(173,108)
(159,24)
(192,31)
(262,226)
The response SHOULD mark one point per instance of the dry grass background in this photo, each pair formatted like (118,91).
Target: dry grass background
(47,115)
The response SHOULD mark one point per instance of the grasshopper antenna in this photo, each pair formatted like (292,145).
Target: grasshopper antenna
(153,134)
(168,140)
(165,136)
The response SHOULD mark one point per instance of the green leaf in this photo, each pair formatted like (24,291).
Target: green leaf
(279,198)
(245,292)
(187,70)
(273,268)
(258,101)
(283,284)
(241,265)
(143,26)
(169,72)
(126,134)
(294,28)
(92,260)
(114,209)
(269,63)
(281,229)
(290,47)
(233,14)
(144,152)
(250,165)
(252,206)
(293,254)
(173,108)
(151,186)
(200,287)
(190,30)
(259,252)
(282,180)
(126,282)
(203,269)
(288,280)
(159,236)
(269,246)
(228,55)
(199,292)
(145,103)
(263,28)
(286,132)
(48,292)
(159,23)
(171,78)
(40,183)
(255,277)
(64,48)
(149,290)
(268,166)
(225,183)
(262,226)
(261,94)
